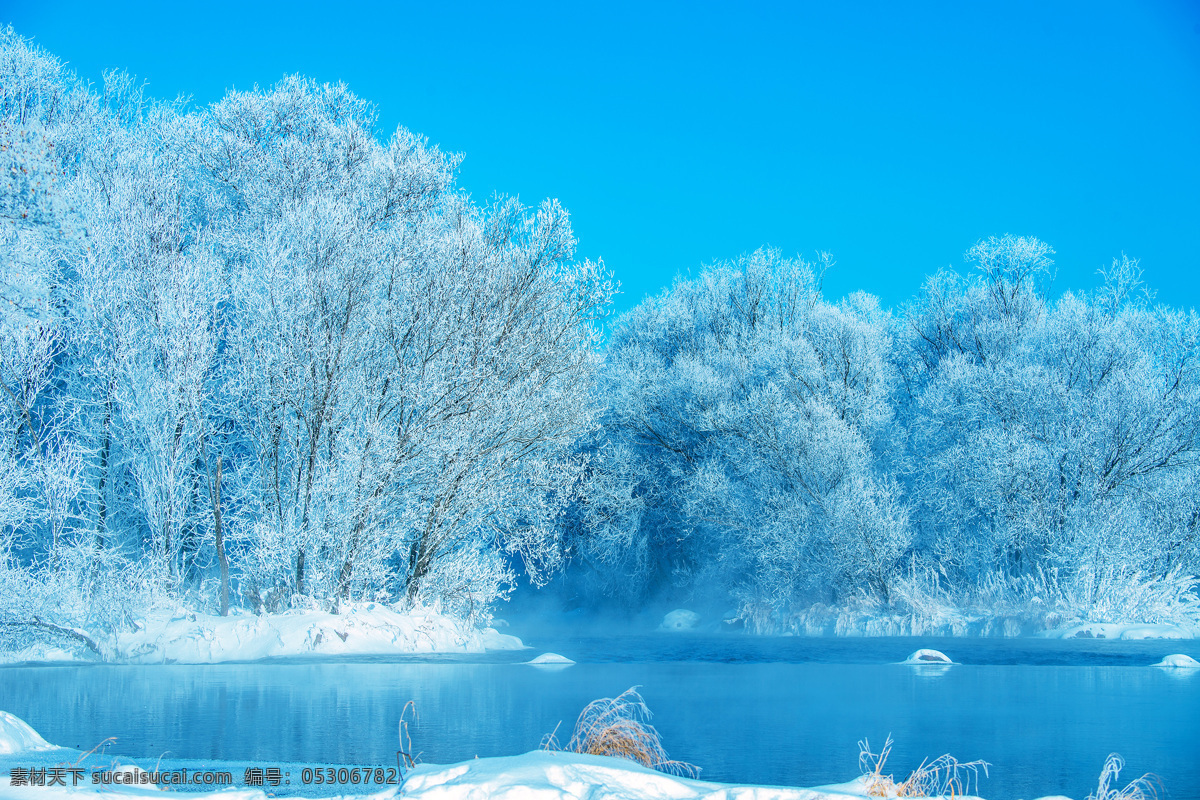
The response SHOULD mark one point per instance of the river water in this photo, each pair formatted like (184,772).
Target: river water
(785,711)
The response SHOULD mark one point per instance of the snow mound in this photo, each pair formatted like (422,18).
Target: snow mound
(551,659)
(927,657)
(187,637)
(679,620)
(1179,660)
(544,775)
(17,737)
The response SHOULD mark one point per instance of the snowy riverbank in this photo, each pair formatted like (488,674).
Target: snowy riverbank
(184,636)
(537,775)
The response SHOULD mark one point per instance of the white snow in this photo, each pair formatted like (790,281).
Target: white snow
(1120,630)
(551,660)
(17,737)
(188,637)
(1179,660)
(38,652)
(679,620)
(542,775)
(539,775)
(924,656)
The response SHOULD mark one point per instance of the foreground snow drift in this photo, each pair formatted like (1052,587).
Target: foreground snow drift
(17,737)
(538,775)
(543,775)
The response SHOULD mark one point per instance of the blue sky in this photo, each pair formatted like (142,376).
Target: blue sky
(893,135)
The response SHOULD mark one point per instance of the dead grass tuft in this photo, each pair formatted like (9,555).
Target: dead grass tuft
(102,747)
(1141,789)
(943,776)
(620,727)
(406,746)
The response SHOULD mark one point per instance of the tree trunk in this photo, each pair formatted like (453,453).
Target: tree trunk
(300,570)
(102,505)
(218,532)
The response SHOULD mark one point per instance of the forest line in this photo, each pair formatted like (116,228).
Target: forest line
(254,355)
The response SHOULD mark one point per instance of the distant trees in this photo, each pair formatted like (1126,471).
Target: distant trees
(1052,435)
(791,451)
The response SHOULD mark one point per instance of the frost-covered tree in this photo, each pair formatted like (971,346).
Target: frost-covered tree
(270,357)
(744,438)
(411,370)
(1050,435)
(987,442)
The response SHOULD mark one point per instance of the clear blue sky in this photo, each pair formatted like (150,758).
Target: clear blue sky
(891,134)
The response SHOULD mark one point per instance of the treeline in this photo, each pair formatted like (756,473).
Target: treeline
(254,355)
(985,446)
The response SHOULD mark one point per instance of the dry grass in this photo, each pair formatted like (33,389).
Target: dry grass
(1141,789)
(406,746)
(102,747)
(943,776)
(620,727)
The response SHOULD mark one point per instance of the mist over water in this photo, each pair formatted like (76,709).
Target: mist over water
(767,710)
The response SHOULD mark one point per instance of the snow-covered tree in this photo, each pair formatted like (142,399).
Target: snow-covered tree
(742,442)
(1050,435)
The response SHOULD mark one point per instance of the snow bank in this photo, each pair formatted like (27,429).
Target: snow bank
(38,652)
(1179,660)
(187,637)
(17,737)
(928,657)
(539,775)
(542,775)
(1120,630)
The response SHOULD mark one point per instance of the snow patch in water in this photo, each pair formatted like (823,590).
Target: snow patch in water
(551,660)
(1179,660)
(925,656)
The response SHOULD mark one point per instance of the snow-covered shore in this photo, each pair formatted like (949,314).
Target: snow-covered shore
(538,775)
(184,636)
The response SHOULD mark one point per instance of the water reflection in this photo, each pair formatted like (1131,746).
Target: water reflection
(1045,729)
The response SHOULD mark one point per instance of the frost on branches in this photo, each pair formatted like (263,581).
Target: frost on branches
(986,461)
(254,355)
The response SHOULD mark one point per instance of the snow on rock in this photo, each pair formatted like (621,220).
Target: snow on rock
(927,657)
(1120,630)
(17,737)
(187,637)
(551,660)
(679,620)
(1179,660)
(542,775)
